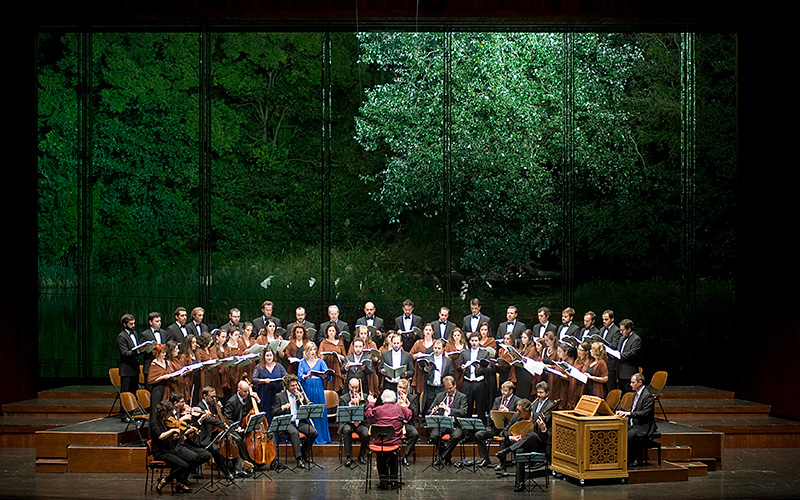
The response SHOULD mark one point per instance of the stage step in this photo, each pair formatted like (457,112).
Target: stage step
(80,392)
(114,459)
(57,407)
(51,465)
(105,432)
(19,431)
(694,392)
(744,431)
(696,469)
(677,408)
(667,472)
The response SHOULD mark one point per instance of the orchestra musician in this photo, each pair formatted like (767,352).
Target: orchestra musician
(642,423)
(408,399)
(354,397)
(210,422)
(450,403)
(506,401)
(183,414)
(541,405)
(167,447)
(535,440)
(235,409)
(287,402)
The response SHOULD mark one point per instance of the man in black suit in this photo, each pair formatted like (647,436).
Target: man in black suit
(333,317)
(544,325)
(178,330)
(237,406)
(443,327)
(300,317)
(511,324)
(260,323)
(287,402)
(196,325)
(396,357)
(506,401)
(155,334)
(535,441)
(405,323)
(354,397)
(539,406)
(588,326)
(473,321)
(234,317)
(370,319)
(437,368)
(610,333)
(450,403)
(128,359)
(642,423)
(476,376)
(357,366)
(568,327)
(629,348)
(210,426)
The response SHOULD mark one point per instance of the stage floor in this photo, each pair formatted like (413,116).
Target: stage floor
(748,474)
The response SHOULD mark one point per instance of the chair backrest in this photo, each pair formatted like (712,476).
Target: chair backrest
(113,375)
(612,398)
(658,382)
(128,401)
(143,397)
(141,375)
(382,432)
(626,401)
(331,399)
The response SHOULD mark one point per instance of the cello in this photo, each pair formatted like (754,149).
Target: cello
(257,442)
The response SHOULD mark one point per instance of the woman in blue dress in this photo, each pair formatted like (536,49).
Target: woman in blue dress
(268,369)
(312,385)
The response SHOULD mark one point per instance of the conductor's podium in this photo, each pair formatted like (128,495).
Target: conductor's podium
(590,442)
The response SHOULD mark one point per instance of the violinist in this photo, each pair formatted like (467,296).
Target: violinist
(210,422)
(168,448)
(189,435)
(287,402)
(236,408)
(354,397)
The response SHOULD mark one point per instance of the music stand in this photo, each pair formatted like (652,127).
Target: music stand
(281,423)
(346,414)
(210,486)
(310,412)
(472,424)
(438,422)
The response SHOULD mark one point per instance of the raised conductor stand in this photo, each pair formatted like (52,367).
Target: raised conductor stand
(590,442)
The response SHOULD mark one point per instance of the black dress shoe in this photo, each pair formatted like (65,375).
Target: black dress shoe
(383,485)
(301,464)
(500,467)
(485,463)
(230,477)
(160,485)
(362,460)
(519,487)
(437,462)
(405,462)
(349,463)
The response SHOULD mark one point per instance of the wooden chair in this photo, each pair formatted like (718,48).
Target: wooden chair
(116,381)
(141,376)
(131,407)
(143,399)
(152,465)
(331,403)
(383,433)
(626,402)
(612,398)
(657,384)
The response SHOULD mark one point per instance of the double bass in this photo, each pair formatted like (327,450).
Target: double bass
(257,442)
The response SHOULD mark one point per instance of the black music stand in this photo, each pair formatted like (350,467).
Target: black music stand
(438,422)
(310,412)
(280,424)
(475,425)
(345,414)
(210,485)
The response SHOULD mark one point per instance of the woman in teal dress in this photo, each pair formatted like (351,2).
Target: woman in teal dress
(312,385)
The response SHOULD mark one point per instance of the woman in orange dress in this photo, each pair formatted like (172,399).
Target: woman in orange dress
(298,338)
(156,377)
(581,362)
(559,384)
(503,368)
(191,381)
(205,352)
(420,348)
(456,344)
(236,347)
(332,351)
(219,375)
(269,334)
(597,371)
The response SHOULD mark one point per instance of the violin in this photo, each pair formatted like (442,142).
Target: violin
(184,427)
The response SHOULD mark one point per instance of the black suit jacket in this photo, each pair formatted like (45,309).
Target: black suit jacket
(448,329)
(128,356)
(572,329)
(479,369)
(537,329)
(355,371)
(466,324)
(193,331)
(643,415)
(208,427)
(613,337)
(447,369)
(174,333)
(234,410)
(408,339)
(519,327)
(379,336)
(459,406)
(405,359)
(629,356)
(259,324)
(281,399)
(588,332)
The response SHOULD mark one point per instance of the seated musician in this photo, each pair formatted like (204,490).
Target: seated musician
(354,397)
(389,413)
(408,399)
(183,413)
(642,423)
(506,401)
(165,434)
(536,438)
(540,405)
(236,408)
(210,423)
(450,403)
(287,402)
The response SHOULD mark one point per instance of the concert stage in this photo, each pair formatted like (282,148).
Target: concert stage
(70,432)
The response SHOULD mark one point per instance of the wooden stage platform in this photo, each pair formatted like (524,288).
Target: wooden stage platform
(70,431)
